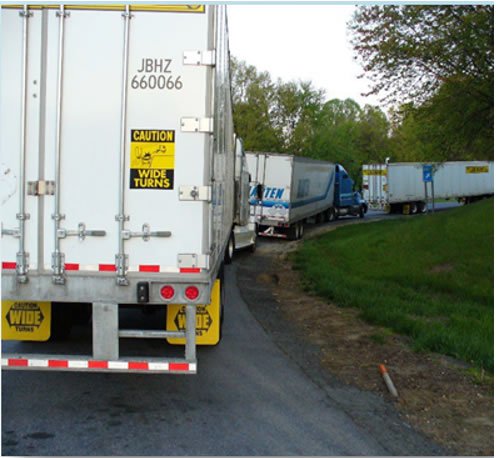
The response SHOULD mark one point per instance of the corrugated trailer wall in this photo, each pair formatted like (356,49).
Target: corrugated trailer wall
(451,180)
(392,183)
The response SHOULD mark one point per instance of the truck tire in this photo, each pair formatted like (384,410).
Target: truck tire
(301,229)
(361,212)
(230,249)
(293,231)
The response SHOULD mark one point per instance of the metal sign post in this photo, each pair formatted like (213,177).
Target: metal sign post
(428,178)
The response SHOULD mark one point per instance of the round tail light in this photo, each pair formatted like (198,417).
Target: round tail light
(191,292)
(167,292)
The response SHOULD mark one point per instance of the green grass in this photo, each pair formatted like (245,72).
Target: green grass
(429,277)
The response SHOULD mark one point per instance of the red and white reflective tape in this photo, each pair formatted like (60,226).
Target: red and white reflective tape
(9,265)
(92,365)
(144,268)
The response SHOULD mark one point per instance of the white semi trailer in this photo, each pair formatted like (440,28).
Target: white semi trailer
(402,186)
(288,189)
(118,177)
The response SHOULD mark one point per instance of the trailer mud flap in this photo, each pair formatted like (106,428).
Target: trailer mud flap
(208,319)
(26,320)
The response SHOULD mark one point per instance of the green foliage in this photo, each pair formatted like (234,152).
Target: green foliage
(253,94)
(410,51)
(439,62)
(436,61)
(273,116)
(292,118)
(428,277)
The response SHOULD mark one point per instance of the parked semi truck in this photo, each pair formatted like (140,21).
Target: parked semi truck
(287,189)
(402,187)
(122,181)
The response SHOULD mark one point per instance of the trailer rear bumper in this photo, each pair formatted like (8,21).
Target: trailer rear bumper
(102,287)
(79,364)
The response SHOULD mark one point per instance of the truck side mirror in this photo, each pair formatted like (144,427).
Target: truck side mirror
(259,191)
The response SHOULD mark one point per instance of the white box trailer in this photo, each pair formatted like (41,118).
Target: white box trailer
(291,189)
(118,163)
(400,186)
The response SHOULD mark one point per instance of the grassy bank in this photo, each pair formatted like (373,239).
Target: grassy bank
(429,277)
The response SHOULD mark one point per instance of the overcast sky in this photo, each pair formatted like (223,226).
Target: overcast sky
(299,42)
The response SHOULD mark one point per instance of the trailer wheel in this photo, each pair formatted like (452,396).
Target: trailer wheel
(293,231)
(331,214)
(301,229)
(230,249)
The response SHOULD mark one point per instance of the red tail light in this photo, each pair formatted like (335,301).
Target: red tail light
(167,292)
(191,292)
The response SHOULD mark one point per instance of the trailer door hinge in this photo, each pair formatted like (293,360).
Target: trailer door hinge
(41,188)
(200,193)
(199,58)
(202,125)
(194,260)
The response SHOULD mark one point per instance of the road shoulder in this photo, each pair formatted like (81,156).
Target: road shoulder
(440,410)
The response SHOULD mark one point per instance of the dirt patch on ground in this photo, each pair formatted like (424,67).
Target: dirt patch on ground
(441,269)
(436,396)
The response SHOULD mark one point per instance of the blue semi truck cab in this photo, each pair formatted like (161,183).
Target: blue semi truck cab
(347,200)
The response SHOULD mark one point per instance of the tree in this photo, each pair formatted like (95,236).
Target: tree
(411,51)
(292,118)
(253,96)
(440,60)
(273,117)
(299,107)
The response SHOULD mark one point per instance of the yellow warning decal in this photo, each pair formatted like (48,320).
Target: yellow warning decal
(477,169)
(166,8)
(208,319)
(152,159)
(377,172)
(26,320)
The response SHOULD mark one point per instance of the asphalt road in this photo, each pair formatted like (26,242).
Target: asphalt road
(250,397)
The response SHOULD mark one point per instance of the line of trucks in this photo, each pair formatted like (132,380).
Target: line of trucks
(125,186)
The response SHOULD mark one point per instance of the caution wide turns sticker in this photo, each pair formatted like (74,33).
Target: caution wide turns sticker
(26,320)
(152,159)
